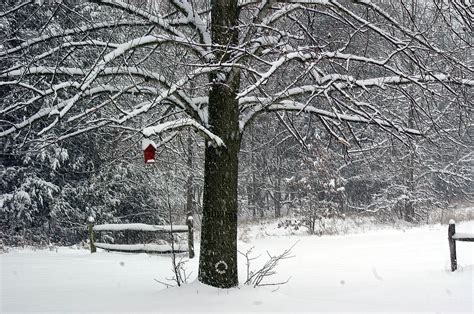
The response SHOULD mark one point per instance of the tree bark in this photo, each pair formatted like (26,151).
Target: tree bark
(409,214)
(277,197)
(218,256)
(190,179)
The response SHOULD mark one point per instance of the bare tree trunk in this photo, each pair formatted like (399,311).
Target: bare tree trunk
(409,214)
(259,187)
(277,198)
(251,198)
(251,188)
(311,216)
(190,179)
(218,256)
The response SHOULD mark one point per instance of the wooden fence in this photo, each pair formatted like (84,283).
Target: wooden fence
(144,247)
(453,236)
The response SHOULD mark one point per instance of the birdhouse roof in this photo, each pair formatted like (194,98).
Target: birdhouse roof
(147,142)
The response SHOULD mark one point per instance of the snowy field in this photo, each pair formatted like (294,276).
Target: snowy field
(378,271)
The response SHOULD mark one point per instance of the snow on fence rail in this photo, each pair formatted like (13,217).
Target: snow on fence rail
(140,227)
(453,236)
(147,247)
(144,247)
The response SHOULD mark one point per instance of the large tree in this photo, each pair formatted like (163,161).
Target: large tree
(150,67)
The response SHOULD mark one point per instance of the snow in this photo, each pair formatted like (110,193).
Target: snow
(43,70)
(139,227)
(23,196)
(146,142)
(463,235)
(179,124)
(119,51)
(148,247)
(332,183)
(290,105)
(195,20)
(164,24)
(378,271)
(71,31)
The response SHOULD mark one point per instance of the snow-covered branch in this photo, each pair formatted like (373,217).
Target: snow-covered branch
(182,123)
(193,18)
(287,105)
(74,44)
(163,23)
(69,32)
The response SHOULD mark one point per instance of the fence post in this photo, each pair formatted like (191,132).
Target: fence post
(90,222)
(189,222)
(452,245)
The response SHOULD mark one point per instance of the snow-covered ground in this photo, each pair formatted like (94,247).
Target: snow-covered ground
(378,271)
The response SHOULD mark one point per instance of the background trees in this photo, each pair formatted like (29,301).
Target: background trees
(119,71)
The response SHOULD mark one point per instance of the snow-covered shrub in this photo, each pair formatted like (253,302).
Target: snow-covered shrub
(293,223)
(396,201)
(25,202)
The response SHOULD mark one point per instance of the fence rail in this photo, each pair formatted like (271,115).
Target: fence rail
(144,247)
(453,236)
(141,227)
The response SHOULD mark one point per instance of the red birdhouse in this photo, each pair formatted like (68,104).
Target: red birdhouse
(149,149)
